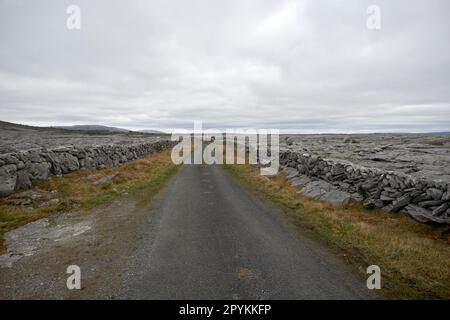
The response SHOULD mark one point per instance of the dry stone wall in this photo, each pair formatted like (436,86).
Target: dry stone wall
(19,170)
(340,181)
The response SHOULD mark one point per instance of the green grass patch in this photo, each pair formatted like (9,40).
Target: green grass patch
(437,143)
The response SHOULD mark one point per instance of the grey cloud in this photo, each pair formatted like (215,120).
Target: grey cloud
(309,66)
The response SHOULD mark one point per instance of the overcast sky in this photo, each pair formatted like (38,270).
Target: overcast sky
(309,66)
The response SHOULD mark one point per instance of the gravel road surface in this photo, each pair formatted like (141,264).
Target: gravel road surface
(210,239)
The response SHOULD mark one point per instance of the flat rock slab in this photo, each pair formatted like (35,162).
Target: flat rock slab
(28,239)
(316,189)
(322,190)
(300,180)
(337,197)
(290,172)
(423,215)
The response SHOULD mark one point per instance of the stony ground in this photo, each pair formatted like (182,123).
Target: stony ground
(420,155)
(16,138)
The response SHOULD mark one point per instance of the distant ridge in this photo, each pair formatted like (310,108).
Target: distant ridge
(88,127)
(151,131)
(4,125)
(93,127)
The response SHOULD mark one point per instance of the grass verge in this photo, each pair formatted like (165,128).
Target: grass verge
(414,258)
(80,191)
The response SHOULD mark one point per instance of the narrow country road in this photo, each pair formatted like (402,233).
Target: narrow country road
(209,239)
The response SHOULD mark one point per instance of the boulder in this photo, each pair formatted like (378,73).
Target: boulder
(447,213)
(366,186)
(418,213)
(440,210)
(63,162)
(10,158)
(300,180)
(337,169)
(39,171)
(8,178)
(371,203)
(23,180)
(434,193)
(446,196)
(337,197)
(386,198)
(421,197)
(430,203)
(425,216)
(400,203)
(315,189)
(290,172)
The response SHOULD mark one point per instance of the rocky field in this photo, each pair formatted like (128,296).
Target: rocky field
(402,172)
(29,154)
(419,155)
(15,138)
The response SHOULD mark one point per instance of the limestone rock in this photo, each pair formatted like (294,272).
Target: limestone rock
(290,172)
(8,177)
(439,210)
(39,171)
(373,204)
(23,180)
(104,180)
(400,203)
(425,216)
(300,180)
(316,189)
(434,193)
(336,197)
(446,196)
(63,162)
(418,213)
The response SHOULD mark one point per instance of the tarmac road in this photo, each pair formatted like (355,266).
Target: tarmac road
(209,239)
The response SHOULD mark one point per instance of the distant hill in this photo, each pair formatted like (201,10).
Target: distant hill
(89,127)
(98,128)
(152,131)
(4,125)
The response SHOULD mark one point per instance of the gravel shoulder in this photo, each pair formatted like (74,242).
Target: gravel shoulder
(100,243)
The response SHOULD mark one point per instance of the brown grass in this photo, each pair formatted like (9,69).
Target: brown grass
(414,258)
(77,191)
